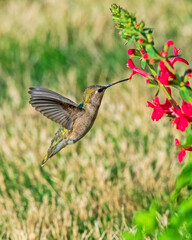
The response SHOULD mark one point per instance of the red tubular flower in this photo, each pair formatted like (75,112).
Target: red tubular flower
(178,59)
(131,65)
(183,149)
(159,109)
(166,75)
(142,51)
(140,40)
(183,116)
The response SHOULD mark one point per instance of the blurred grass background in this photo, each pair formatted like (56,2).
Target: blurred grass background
(89,190)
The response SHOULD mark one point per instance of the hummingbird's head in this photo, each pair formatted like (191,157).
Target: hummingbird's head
(94,94)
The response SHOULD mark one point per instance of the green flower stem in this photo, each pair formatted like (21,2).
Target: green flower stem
(168,95)
(168,66)
(152,69)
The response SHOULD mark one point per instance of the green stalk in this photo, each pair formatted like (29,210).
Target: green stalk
(168,95)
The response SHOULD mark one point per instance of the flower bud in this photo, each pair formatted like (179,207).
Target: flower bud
(131,51)
(151,61)
(169,43)
(148,81)
(145,56)
(164,54)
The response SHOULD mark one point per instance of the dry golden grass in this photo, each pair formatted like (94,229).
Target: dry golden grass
(91,189)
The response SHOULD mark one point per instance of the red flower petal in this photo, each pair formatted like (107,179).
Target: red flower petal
(176,51)
(177,143)
(178,59)
(186,109)
(131,65)
(181,123)
(181,154)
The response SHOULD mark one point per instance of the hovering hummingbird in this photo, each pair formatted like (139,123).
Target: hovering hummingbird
(76,120)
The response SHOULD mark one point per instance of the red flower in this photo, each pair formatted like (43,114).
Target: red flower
(140,40)
(183,149)
(178,59)
(131,51)
(169,43)
(176,51)
(183,116)
(181,154)
(145,56)
(131,65)
(159,109)
(165,74)
(142,51)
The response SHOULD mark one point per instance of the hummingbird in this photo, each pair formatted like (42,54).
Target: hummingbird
(75,120)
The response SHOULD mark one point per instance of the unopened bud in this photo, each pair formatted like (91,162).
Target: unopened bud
(164,54)
(151,61)
(148,81)
(169,43)
(145,56)
(131,51)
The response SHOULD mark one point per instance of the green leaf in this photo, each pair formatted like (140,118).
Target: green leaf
(157,92)
(147,221)
(130,40)
(184,93)
(189,136)
(170,234)
(184,178)
(185,210)
(150,50)
(143,63)
(147,29)
(130,236)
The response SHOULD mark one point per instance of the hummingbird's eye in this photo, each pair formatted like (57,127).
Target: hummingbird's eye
(100,90)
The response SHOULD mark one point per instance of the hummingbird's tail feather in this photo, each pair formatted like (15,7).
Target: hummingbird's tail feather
(45,159)
(53,149)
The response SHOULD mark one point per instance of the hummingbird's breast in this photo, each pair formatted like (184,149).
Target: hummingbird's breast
(84,123)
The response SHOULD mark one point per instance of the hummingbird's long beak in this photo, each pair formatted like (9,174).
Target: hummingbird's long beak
(111,84)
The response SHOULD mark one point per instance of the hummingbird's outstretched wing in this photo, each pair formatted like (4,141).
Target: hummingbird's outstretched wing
(54,106)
